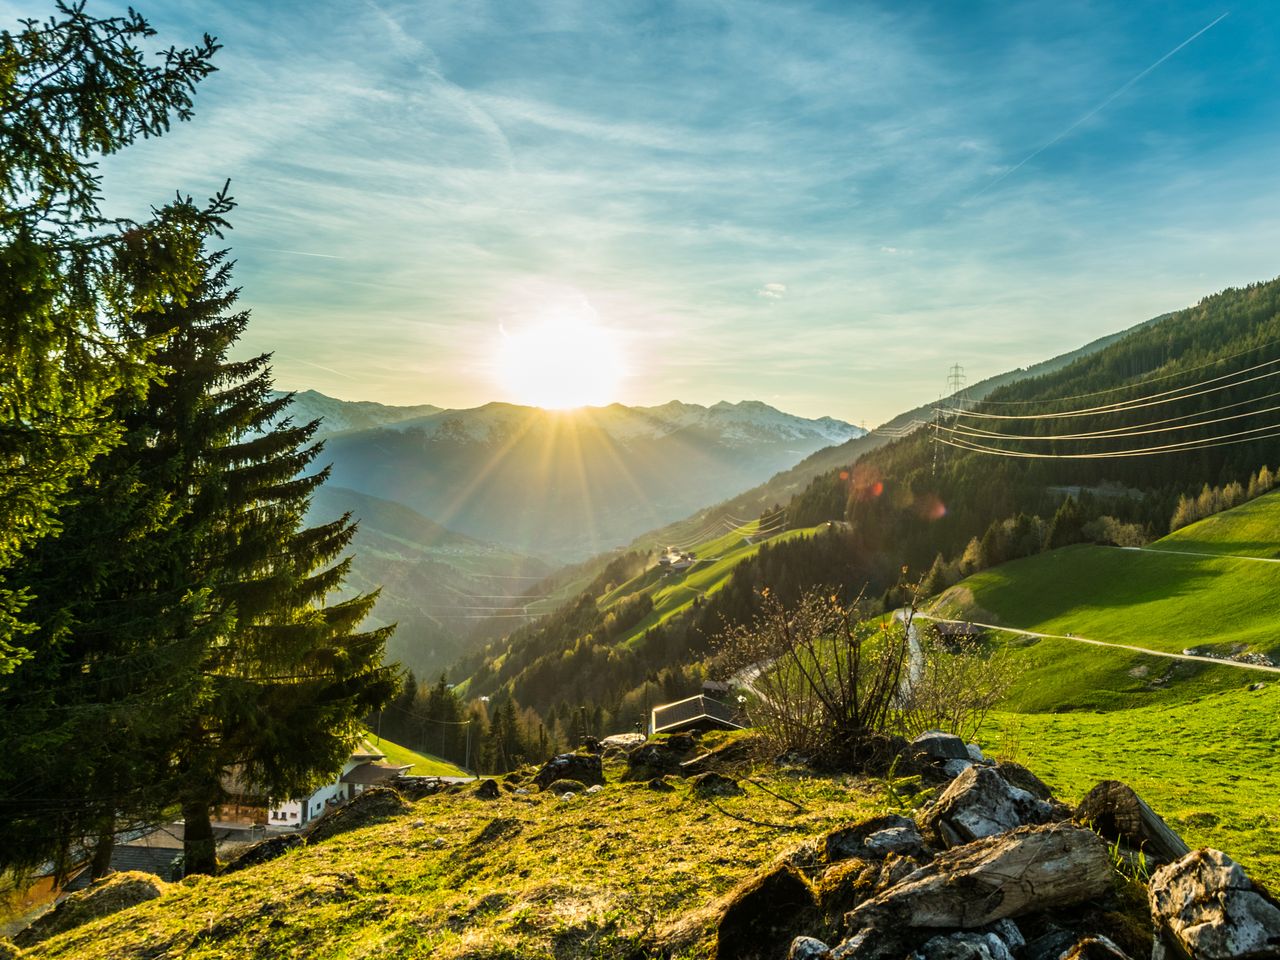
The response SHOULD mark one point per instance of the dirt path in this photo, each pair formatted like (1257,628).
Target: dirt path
(1103,643)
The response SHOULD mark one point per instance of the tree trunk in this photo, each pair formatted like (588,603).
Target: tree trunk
(101,864)
(200,851)
(1118,813)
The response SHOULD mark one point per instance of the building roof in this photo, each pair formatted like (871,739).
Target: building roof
(364,750)
(701,707)
(370,773)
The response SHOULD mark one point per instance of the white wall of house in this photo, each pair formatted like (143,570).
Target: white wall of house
(294,813)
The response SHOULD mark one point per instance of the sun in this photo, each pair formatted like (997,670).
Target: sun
(560,361)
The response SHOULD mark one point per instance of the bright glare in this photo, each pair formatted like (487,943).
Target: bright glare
(560,362)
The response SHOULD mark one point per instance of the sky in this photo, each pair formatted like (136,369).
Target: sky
(819,205)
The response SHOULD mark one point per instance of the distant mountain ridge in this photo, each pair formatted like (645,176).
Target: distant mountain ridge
(338,416)
(567,484)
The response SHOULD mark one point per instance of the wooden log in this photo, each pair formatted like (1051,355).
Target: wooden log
(1117,813)
(1029,870)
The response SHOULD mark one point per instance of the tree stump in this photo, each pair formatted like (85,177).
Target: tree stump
(1119,814)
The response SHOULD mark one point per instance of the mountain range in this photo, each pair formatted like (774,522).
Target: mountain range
(567,485)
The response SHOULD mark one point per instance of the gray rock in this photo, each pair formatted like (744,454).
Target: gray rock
(583,767)
(980,803)
(1008,931)
(940,746)
(486,790)
(1205,906)
(807,948)
(964,946)
(844,843)
(975,753)
(903,839)
(953,768)
(1019,776)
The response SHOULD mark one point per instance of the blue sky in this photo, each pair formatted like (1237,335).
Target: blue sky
(817,205)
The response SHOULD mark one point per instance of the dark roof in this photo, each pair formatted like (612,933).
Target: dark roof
(671,715)
(953,628)
(367,773)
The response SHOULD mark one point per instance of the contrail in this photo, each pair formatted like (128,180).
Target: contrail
(1100,107)
(319,366)
(303,253)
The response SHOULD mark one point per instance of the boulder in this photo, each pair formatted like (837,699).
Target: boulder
(807,948)
(953,768)
(905,840)
(486,790)
(566,786)
(1115,811)
(981,803)
(975,753)
(894,833)
(1015,774)
(940,746)
(1095,948)
(715,785)
(658,757)
(116,892)
(584,767)
(1029,870)
(764,915)
(660,784)
(964,946)
(1205,906)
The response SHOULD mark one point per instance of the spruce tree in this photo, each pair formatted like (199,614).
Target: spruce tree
(190,641)
(283,691)
(72,88)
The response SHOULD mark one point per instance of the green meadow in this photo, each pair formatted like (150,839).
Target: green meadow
(1190,737)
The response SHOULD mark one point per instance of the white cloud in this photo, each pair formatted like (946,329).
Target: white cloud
(772,291)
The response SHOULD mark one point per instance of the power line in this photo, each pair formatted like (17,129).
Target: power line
(1187,446)
(1150,400)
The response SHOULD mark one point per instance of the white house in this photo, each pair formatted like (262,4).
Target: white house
(361,770)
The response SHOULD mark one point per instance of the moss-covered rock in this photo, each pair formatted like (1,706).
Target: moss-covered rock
(117,892)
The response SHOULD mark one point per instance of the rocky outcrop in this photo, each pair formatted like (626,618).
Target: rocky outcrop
(981,803)
(583,767)
(371,806)
(1206,908)
(1029,870)
(873,839)
(763,915)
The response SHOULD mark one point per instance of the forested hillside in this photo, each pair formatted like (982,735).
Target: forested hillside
(1103,447)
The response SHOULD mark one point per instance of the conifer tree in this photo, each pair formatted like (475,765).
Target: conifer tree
(72,88)
(283,691)
(190,639)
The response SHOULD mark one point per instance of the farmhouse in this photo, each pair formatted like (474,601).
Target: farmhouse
(360,772)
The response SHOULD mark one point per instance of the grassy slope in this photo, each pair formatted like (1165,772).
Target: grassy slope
(1166,597)
(676,591)
(424,765)
(589,877)
(1209,767)
(1197,745)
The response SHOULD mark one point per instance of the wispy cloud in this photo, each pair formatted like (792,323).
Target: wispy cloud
(406,180)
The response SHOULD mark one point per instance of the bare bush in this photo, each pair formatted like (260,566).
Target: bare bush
(954,684)
(825,678)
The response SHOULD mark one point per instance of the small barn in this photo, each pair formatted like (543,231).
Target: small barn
(698,713)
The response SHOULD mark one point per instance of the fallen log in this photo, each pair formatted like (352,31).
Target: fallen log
(1118,814)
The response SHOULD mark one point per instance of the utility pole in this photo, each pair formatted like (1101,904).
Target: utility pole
(955,384)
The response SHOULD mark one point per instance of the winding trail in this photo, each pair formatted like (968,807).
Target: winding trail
(1193,553)
(1118,646)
